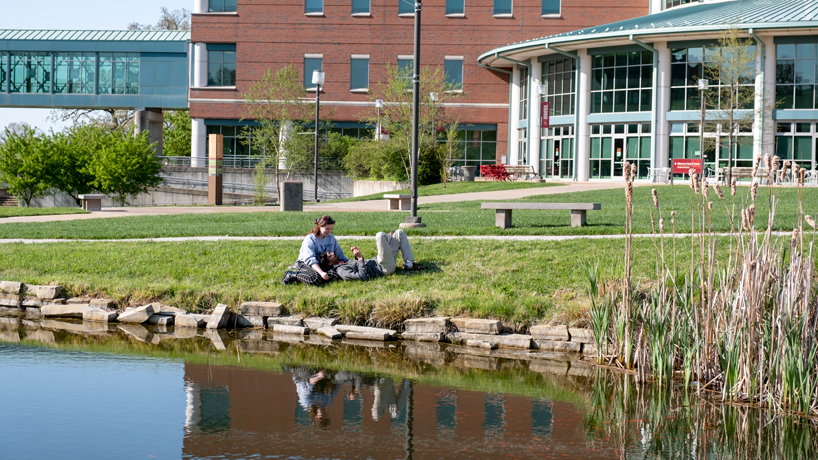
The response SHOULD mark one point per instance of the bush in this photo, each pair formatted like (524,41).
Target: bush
(375,160)
(429,164)
(124,165)
(25,163)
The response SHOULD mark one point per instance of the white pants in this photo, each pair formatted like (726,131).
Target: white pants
(388,247)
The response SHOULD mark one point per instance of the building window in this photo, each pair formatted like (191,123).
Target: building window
(523,114)
(221,6)
(502,7)
(672,3)
(3,62)
(474,147)
(311,64)
(684,143)
(688,65)
(221,65)
(612,145)
(314,6)
(359,73)
(119,73)
(622,82)
(455,6)
(74,73)
(454,72)
(795,141)
(795,76)
(405,65)
(406,7)
(558,78)
(30,72)
(360,6)
(551,7)
(557,152)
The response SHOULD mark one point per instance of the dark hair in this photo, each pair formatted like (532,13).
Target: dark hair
(323,261)
(322,222)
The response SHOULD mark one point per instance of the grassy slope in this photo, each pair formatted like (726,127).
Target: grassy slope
(18,211)
(453,188)
(459,218)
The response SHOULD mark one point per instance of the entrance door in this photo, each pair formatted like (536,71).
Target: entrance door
(618,157)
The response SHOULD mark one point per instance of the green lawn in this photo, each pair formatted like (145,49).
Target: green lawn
(19,211)
(516,281)
(459,218)
(457,187)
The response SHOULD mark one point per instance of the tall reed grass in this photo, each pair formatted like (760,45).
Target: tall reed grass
(744,326)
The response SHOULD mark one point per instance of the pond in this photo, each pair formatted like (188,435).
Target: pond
(87,391)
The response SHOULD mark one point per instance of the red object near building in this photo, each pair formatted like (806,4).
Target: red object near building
(546,115)
(684,165)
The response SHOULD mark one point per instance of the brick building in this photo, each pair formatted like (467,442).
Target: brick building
(234,42)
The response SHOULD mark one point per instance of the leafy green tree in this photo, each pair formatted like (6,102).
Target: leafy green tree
(176,142)
(71,153)
(124,165)
(25,163)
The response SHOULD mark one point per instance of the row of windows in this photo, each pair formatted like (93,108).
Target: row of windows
(689,65)
(795,76)
(558,78)
(70,73)
(622,82)
(453,7)
(359,71)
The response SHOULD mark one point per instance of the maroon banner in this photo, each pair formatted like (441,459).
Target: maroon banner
(546,115)
(683,165)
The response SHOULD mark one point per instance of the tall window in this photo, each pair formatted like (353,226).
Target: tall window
(360,6)
(221,6)
(313,6)
(30,72)
(687,66)
(74,73)
(119,73)
(523,93)
(550,7)
(311,64)
(502,7)
(406,7)
(558,77)
(455,6)
(454,72)
(795,76)
(359,73)
(405,65)
(622,82)
(221,65)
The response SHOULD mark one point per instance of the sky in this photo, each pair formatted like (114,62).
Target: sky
(75,14)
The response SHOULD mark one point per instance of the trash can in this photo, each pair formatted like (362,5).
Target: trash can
(468,173)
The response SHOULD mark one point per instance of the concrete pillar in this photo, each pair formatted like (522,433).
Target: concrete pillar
(198,142)
(199,6)
(656,6)
(215,170)
(534,116)
(199,65)
(582,137)
(765,106)
(152,121)
(661,131)
(514,108)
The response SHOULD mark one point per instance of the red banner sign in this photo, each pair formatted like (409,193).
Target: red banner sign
(546,115)
(684,165)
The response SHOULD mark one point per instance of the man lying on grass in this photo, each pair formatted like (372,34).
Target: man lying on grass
(385,263)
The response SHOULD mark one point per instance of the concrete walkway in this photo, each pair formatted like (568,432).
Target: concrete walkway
(352,206)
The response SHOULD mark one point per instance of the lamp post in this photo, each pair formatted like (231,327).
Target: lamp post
(703,85)
(379,106)
(413,220)
(432,100)
(317,80)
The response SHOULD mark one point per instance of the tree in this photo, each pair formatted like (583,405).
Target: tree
(72,152)
(177,134)
(276,102)
(446,153)
(25,163)
(124,165)
(168,20)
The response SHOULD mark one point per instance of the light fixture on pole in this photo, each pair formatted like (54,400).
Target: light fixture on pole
(703,86)
(318,81)
(542,90)
(413,220)
(378,130)
(433,99)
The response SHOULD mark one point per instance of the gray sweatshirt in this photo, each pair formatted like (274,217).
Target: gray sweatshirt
(359,270)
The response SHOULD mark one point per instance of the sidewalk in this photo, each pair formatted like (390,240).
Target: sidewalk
(353,206)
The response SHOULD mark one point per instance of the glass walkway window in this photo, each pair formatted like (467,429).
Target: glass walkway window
(687,66)
(795,75)
(221,65)
(221,6)
(30,72)
(558,77)
(3,72)
(622,82)
(118,73)
(74,73)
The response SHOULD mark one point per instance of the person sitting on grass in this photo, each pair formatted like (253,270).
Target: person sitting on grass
(385,263)
(305,274)
(319,240)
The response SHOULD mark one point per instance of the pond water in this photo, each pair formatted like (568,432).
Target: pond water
(86,391)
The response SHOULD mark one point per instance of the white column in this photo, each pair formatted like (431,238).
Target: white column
(198,138)
(199,6)
(766,105)
(514,107)
(534,116)
(656,6)
(661,131)
(583,135)
(199,65)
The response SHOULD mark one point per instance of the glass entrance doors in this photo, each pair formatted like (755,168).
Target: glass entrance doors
(612,145)
(557,152)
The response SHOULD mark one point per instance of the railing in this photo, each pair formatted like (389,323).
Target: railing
(244,161)
(245,189)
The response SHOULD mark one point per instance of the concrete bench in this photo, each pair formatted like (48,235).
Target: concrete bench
(514,172)
(399,202)
(503,211)
(91,202)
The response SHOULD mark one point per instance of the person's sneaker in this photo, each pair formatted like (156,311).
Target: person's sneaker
(415,267)
(289,278)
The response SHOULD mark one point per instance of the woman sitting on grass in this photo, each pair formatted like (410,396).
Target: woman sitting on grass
(319,241)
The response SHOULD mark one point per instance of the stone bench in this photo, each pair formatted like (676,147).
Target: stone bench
(503,211)
(91,202)
(399,202)
(516,171)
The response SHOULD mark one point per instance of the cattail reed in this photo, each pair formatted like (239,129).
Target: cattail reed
(733,186)
(705,190)
(745,219)
(794,239)
(755,165)
(768,162)
(673,217)
(662,225)
(751,214)
(655,196)
(718,191)
(776,164)
(810,221)
(710,205)
(754,190)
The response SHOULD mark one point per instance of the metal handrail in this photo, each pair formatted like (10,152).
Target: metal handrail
(243,161)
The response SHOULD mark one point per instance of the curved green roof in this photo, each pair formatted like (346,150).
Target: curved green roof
(96,35)
(701,17)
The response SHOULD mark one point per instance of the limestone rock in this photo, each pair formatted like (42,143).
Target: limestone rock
(9,336)
(346,330)
(370,335)
(32,304)
(261,309)
(10,287)
(295,320)
(581,335)
(48,292)
(99,315)
(77,300)
(427,325)
(202,319)
(330,332)
(160,320)
(218,319)
(424,336)
(63,311)
(549,345)
(502,340)
(9,302)
(543,332)
(42,336)
(186,321)
(478,326)
(101,303)
(137,331)
(57,301)
(481,344)
(240,321)
(317,323)
(284,329)
(137,315)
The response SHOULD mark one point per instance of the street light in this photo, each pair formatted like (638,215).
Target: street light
(379,106)
(703,85)
(413,220)
(433,99)
(318,81)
